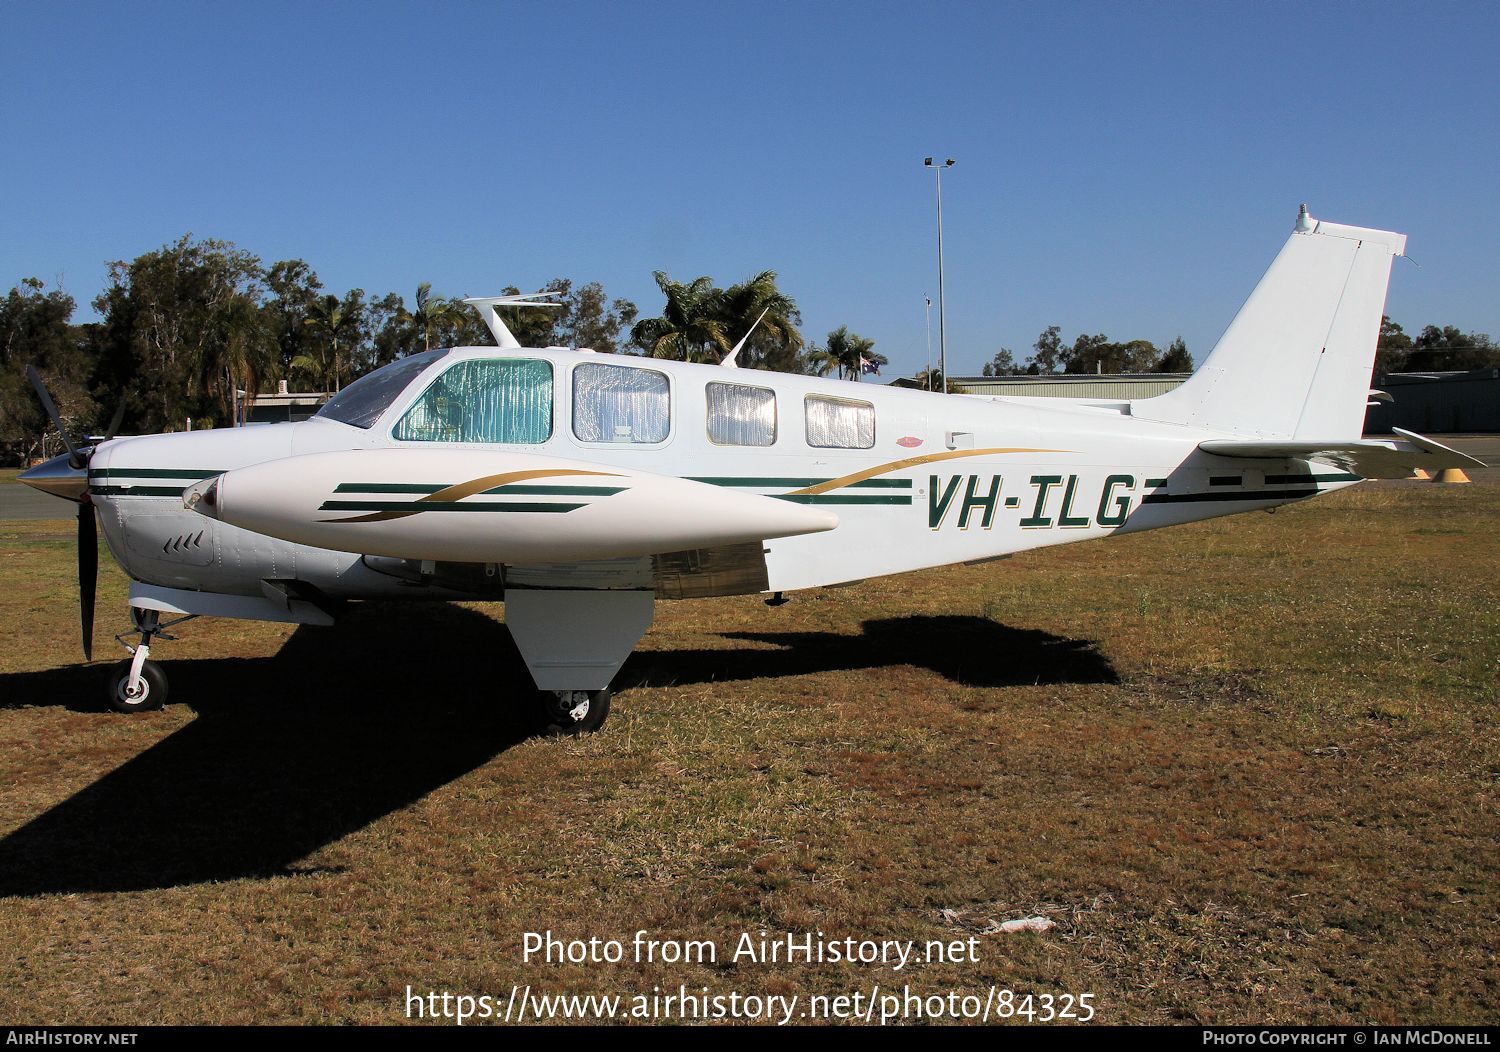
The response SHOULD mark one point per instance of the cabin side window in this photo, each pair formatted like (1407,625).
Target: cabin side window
(500,400)
(839,423)
(741,416)
(618,403)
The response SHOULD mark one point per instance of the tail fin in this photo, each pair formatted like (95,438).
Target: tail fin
(1296,360)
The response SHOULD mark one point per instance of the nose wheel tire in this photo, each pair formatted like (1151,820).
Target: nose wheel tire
(574,712)
(150,692)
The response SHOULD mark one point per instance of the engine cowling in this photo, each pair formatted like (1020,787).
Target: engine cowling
(489,507)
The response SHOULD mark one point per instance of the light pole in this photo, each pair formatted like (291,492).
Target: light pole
(928,300)
(942,316)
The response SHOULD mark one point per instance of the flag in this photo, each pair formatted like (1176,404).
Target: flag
(867,366)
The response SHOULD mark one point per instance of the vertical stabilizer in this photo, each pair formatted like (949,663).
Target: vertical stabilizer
(1296,360)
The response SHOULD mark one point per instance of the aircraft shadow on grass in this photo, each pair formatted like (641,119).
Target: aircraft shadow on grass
(972,651)
(348,724)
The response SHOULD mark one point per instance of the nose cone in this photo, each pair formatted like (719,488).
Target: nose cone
(59,478)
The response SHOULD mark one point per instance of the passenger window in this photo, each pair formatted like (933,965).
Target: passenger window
(840,423)
(740,415)
(616,403)
(503,400)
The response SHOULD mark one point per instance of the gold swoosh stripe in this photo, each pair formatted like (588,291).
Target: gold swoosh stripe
(468,489)
(911,462)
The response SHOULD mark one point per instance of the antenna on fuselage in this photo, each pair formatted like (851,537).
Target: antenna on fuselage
(729,362)
(486,305)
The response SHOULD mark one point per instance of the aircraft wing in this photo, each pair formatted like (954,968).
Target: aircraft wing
(1369,458)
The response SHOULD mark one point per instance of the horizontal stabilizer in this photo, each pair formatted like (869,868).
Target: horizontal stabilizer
(1370,458)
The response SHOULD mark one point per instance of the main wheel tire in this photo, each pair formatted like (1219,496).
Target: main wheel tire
(574,712)
(151,693)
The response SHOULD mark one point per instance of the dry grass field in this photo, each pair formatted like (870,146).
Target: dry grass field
(1249,767)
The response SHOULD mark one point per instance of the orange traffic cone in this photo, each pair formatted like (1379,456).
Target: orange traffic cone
(1452,475)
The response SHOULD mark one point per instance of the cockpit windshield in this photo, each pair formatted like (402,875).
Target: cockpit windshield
(362,402)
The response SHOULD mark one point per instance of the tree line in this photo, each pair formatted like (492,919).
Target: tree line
(1435,348)
(1091,354)
(182,328)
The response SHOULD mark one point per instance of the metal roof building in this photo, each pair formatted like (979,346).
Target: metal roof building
(283,406)
(1440,402)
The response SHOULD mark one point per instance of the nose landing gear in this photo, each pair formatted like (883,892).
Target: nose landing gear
(139,684)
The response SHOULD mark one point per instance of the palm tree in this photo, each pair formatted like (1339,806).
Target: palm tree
(850,350)
(432,311)
(691,326)
(249,357)
(700,323)
(775,343)
(818,362)
(932,380)
(337,320)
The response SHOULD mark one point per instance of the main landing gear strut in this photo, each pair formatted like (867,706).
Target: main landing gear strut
(573,643)
(139,684)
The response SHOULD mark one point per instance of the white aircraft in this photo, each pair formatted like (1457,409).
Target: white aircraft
(581,488)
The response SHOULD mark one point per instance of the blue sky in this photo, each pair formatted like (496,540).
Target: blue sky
(1122,168)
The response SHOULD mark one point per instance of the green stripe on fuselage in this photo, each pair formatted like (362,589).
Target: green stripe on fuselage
(799,483)
(136,491)
(840,498)
(414,487)
(415,506)
(155,473)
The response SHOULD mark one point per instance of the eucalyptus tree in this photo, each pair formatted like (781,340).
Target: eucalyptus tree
(292,288)
(36,329)
(165,329)
(594,321)
(1004,364)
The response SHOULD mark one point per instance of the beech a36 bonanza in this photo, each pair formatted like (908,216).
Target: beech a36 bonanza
(581,488)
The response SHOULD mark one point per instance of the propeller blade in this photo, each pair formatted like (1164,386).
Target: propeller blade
(117,419)
(88,574)
(52,413)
